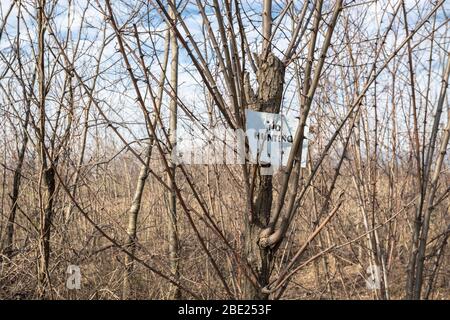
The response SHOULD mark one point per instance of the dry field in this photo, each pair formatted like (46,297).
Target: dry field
(96,97)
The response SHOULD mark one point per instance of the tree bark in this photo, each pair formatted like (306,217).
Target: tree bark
(174,249)
(130,243)
(433,183)
(8,247)
(47,173)
(270,77)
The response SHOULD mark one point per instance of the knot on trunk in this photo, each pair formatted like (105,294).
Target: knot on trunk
(270,237)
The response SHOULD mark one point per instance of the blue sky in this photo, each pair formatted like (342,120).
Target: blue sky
(118,97)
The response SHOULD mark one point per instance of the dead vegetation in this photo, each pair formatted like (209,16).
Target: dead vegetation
(94,93)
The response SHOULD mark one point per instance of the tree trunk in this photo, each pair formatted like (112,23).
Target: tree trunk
(174,254)
(270,77)
(429,206)
(130,243)
(45,228)
(47,173)
(9,239)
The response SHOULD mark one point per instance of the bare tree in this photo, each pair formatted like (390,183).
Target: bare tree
(99,98)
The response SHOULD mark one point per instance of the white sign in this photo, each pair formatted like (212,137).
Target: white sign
(270,137)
